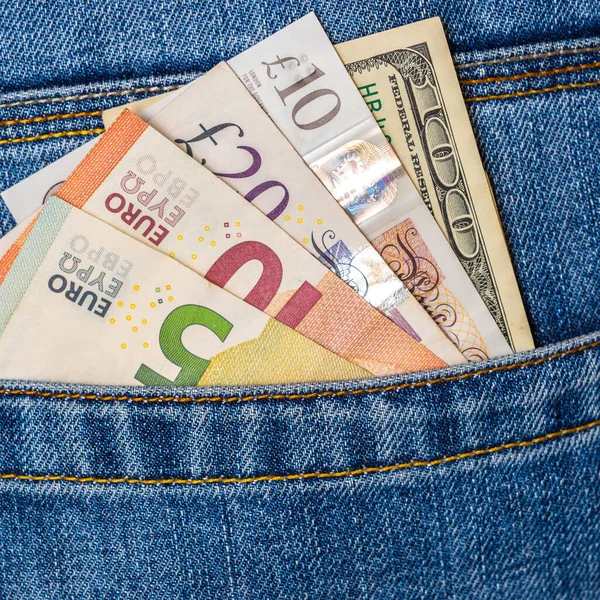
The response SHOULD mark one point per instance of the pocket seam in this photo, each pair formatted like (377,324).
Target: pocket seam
(545,90)
(310,475)
(47,136)
(92,95)
(306,396)
(99,130)
(529,74)
(538,56)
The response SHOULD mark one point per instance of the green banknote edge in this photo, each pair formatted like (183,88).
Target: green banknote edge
(29,259)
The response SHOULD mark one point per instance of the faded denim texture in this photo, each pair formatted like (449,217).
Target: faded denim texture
(472,482)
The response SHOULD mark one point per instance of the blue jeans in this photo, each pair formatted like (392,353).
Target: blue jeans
(471,482)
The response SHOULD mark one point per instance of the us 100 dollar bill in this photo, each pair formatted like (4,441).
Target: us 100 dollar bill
(300,81)
(85,303)
(407,78)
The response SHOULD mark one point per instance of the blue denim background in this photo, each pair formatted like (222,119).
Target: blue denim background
(500,518)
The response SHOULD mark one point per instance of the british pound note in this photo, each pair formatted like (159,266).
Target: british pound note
(85,303)
(298,78)
(407,79)
(217,122)
(143,185)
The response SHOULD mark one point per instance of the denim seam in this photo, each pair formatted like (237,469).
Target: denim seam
(96,131)
(92,95)
(324,394)
(527,74)
(555,88)
(309,475)
(52,117)
(47,136)
(537,56)
(165,88)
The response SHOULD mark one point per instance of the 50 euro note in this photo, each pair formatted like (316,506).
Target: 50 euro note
(301,83)
(84,303)
(142,184)
(406,77)
(218,123)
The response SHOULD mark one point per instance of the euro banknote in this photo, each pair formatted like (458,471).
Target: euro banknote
(218,123)
(300,81)
(407,79)
(82,302)
(139,182)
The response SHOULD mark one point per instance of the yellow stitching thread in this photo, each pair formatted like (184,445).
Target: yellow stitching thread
(92,95)
(99,130)
(310,475)
(559,71)
(499,61)
(389,388)
(47,136)
(71,115)
(555,88)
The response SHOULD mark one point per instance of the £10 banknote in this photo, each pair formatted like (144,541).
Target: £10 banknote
(82,302)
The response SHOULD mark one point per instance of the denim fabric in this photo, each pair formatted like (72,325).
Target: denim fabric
(480,483)
(474,482)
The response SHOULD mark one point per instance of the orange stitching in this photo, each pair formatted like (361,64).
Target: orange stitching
(389,388)
(60,134)
(568,69)
(311,475)
(71,115)
(92,95)
(47,136)
(567,86)
(498,61)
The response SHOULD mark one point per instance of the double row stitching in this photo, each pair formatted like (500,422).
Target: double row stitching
(550,54)
(559,71)
(167,88)
(77,132)
(555,88)
(71,115)
(310,475)
(224,399)
(93,95)
(59,134)
(48,136)
(96,131)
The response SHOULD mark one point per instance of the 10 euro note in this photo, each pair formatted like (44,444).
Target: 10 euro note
(300,81)
(218,123)
(84,303)
(407,78)
(140,183)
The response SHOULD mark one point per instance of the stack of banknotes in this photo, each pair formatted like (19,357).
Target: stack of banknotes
(301,212)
